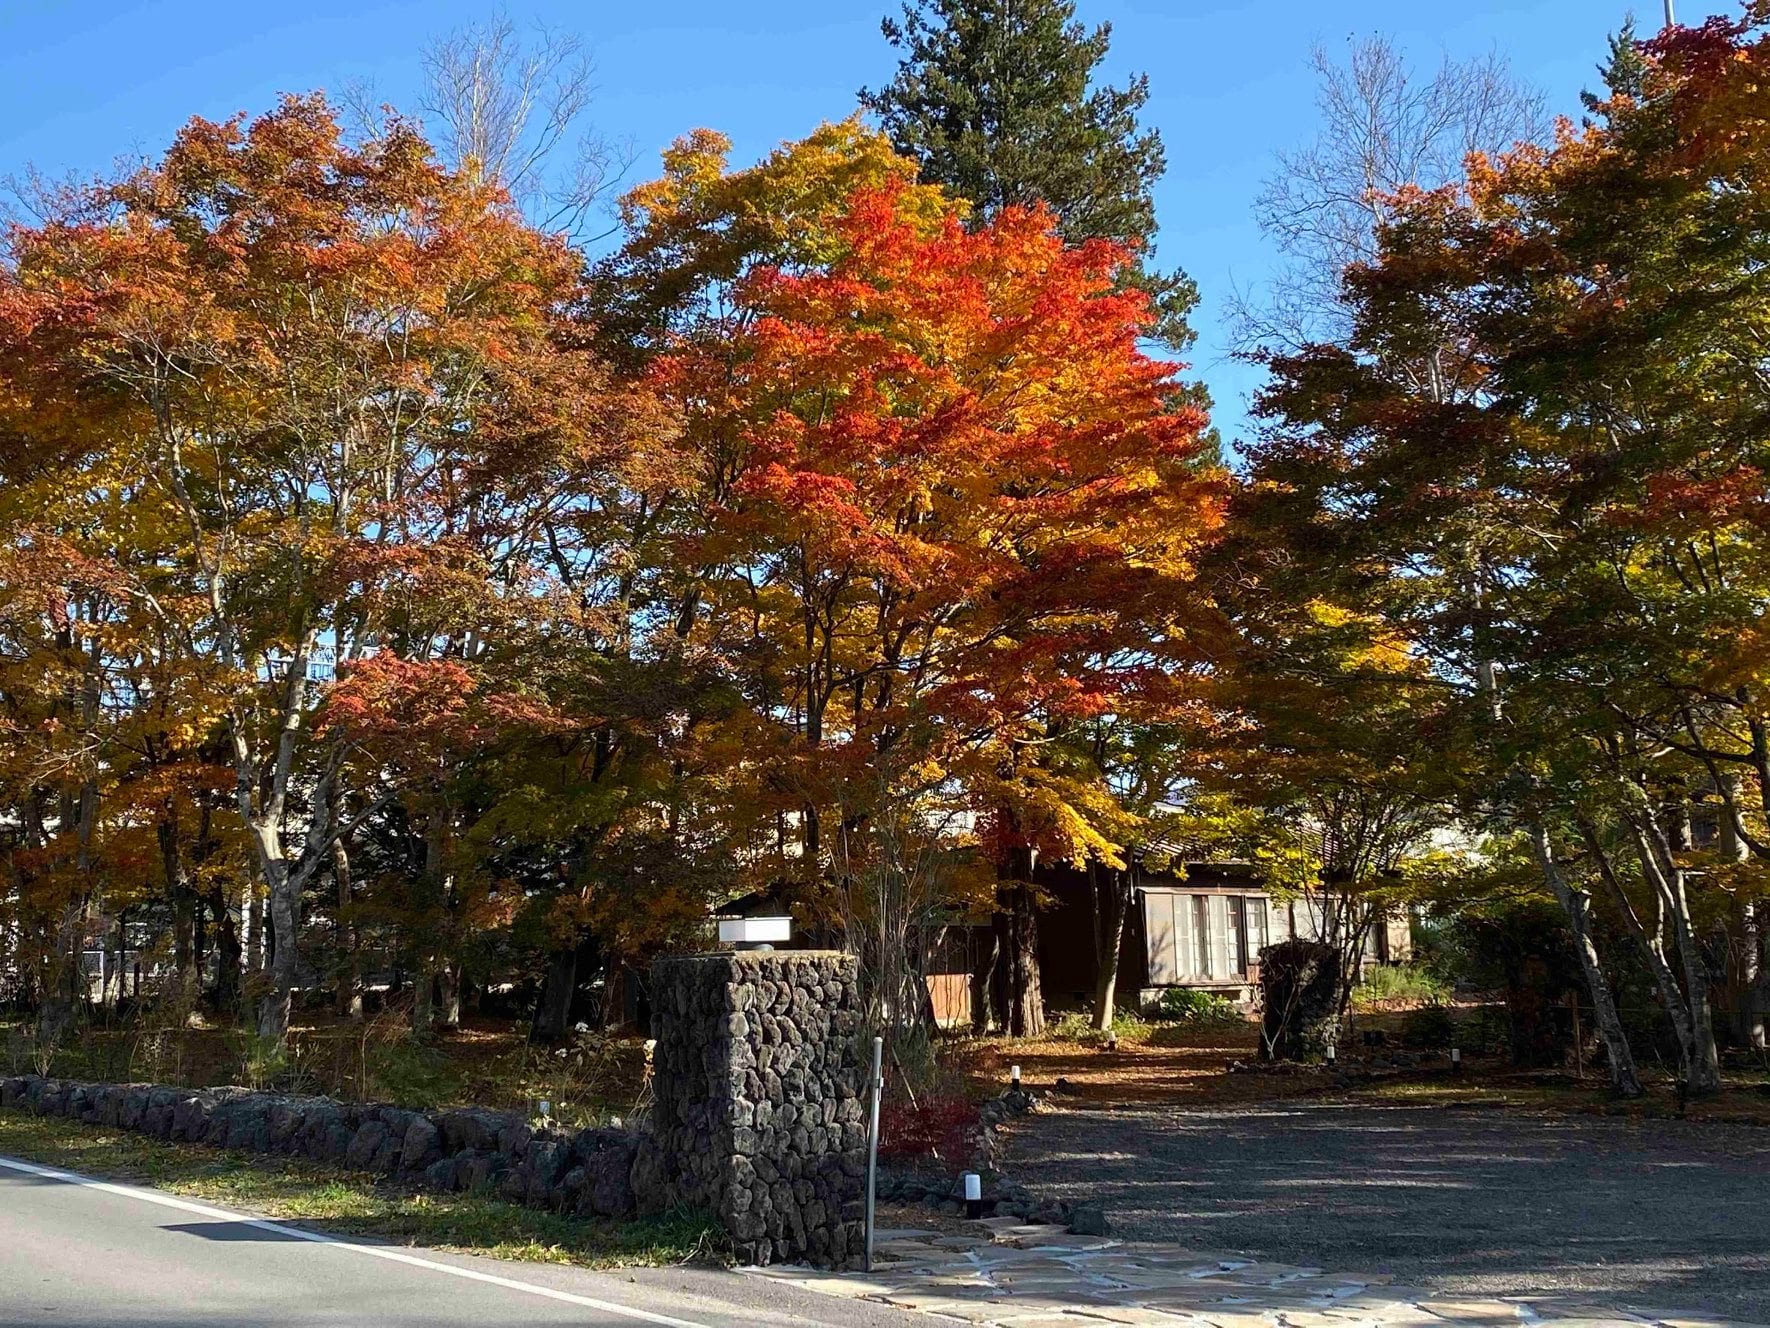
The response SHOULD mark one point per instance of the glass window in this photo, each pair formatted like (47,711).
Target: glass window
(1201,936)
(1259,934)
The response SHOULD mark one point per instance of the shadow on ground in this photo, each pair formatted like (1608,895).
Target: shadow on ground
(1652,1214)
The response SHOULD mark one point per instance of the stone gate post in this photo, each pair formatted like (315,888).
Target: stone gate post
(757,1110)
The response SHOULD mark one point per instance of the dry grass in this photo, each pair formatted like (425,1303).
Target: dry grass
(1180,1066)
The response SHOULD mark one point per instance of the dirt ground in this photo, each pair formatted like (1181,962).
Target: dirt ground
(1655,1215)
(1186,1067)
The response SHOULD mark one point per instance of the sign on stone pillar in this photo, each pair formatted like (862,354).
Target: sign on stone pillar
(757,1109)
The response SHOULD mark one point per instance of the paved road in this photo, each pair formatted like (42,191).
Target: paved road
(82,1255)
(1660,1215)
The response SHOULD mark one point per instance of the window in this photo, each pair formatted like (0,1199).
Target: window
(1200,967)
(1164,944)
(1231,958)
(1254,909)
(1196,938)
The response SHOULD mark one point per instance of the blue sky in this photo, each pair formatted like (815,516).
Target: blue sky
(82,81)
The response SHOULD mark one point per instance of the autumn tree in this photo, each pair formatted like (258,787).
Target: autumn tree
(951,507)
(310,357)
(1569,530)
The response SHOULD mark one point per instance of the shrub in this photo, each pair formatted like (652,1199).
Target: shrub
(939,1128)
(1398,985)
(1432,1027)
(1182,1005)
(1078,1026)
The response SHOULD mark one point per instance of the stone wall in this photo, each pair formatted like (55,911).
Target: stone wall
(588,1173)
(758,1112)
(758,1117)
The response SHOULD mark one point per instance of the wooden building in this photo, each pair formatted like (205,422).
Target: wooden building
(1200,926)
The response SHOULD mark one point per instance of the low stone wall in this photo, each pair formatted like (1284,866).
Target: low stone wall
(588,1173)
(757,1108)
(758,1117)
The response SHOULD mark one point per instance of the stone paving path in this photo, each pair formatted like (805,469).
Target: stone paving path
(999,1272)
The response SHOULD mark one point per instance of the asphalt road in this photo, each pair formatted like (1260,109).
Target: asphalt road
(78,1253)
(1655,1215)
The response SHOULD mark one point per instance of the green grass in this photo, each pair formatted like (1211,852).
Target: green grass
(488,1062)
(349,1203)
(1400,985)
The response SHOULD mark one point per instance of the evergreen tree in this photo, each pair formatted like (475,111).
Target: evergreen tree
(1624,72)
(996,99)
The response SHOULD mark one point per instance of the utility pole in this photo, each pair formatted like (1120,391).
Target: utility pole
(1670,21)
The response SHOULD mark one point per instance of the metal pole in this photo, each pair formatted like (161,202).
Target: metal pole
(1670,21)
(873,1140)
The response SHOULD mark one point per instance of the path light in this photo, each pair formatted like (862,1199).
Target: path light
(1332,1052)
(545,1108)
(1014,1077)
(1456,1060)
(973,1194)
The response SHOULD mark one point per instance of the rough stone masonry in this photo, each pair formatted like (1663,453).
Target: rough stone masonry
(757,1120)
(758,1108)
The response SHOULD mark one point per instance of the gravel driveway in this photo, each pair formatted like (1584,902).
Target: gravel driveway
(1656,1215)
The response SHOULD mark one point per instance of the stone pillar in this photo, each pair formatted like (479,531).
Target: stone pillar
(757,1108)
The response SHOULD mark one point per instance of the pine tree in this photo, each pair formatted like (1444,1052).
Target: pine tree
(1624,71)
(997,100)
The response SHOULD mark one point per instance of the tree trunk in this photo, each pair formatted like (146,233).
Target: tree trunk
(227,953)
(1026,998)
(1754,983)
(178,893)
(348,997)
(1624,1080)
(984,985)
(1112,906)
(283,905)
(423,999)
(553,1011)
(1697,1029)
(448,980)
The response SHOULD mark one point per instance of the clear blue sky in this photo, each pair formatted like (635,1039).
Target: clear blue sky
(82,81)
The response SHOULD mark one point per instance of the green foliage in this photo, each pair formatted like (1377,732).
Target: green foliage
(998,102)
(406,1073)
(263,1060)
(1183,1005)
(1078,1026)
(348,1203)
(579,1079)
(1433,1028)
(1399,984)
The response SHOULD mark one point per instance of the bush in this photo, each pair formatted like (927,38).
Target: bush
(1078,1026)
(1401,984)
(939,1128)
(1432,1027)
(1203,1009)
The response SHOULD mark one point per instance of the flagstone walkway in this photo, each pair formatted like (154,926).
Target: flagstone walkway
(999,1272)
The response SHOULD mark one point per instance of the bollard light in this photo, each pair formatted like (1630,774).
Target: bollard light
(973,1194)
(1456,1060)
(1332,1053)
(1014,1077)
(546,1108)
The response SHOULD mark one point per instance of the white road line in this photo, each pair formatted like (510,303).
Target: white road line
(373,1251)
